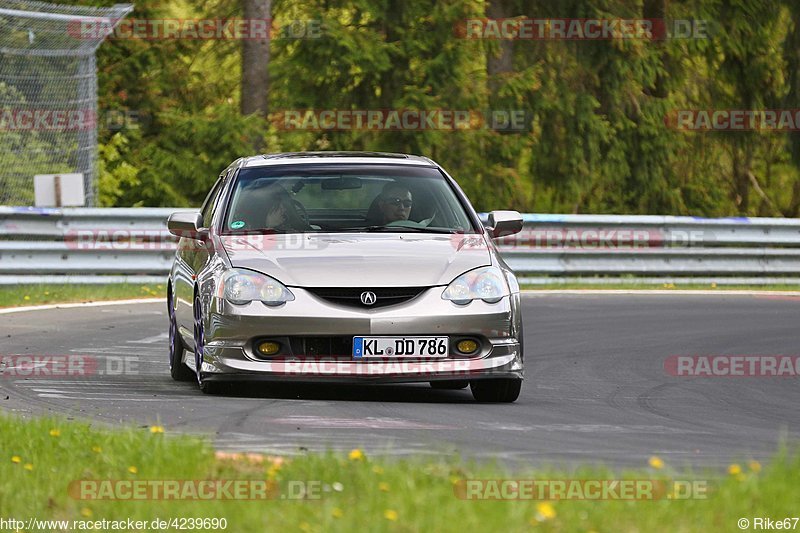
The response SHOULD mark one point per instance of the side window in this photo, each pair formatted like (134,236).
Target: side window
(211,201)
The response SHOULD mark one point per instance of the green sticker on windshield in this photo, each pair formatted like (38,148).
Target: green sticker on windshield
(237,225)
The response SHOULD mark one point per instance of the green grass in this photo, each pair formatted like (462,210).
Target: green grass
(363,493)
(660,286)
(23,295)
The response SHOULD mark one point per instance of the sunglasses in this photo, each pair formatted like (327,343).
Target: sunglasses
(397,202)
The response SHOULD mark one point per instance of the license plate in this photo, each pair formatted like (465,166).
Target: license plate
(385,347)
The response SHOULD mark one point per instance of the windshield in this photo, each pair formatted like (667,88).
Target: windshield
(336,198)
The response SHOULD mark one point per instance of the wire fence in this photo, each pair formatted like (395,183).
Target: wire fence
(48,94)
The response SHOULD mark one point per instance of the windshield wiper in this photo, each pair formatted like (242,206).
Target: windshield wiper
(394,229)
(263,231)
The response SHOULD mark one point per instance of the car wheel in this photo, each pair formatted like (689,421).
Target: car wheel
(178,370)
(207,387)
(496,390)
(450,384)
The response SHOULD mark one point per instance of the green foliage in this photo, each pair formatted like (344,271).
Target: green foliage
(597,140)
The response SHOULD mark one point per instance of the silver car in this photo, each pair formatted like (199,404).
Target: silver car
(346,267)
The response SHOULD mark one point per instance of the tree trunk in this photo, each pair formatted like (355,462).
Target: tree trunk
(791,53)
(657,9)
(502,63)
(255,60)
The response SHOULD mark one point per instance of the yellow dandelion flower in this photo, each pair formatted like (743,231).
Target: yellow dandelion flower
(156,429)
(16,459)
(734,469)
(656,462)
(356,455)
(28,466)
(755,466)
(713,285)
(26,298)
(55,432)
(545,511)
(97,449)
(383,486)
(86,512)
(390,514)
(337,513)
(133,470)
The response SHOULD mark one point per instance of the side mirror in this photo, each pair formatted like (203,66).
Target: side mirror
(187,224)
(503,223)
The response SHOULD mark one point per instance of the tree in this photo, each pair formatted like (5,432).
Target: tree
(255,60)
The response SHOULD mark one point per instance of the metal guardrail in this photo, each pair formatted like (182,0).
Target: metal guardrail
(132,245)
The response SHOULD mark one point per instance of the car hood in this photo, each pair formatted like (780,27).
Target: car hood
(363,260)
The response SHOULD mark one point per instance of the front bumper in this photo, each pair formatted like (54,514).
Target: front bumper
(231,331)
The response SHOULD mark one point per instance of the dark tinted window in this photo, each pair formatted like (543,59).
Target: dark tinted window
(339,198)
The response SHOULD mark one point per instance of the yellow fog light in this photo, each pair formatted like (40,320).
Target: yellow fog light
(467,346)
(269,348)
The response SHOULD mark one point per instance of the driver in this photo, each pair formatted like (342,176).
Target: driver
(281,214)
(395,203)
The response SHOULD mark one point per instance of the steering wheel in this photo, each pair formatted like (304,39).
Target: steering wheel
(301,211)
(427,221)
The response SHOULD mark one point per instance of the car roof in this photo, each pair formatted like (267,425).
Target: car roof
(332,157)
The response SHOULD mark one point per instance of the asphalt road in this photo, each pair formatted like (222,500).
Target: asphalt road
(596,389)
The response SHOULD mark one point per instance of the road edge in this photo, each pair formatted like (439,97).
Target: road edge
(73,305)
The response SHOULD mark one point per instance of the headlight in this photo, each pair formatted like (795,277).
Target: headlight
(240,287)
(485,283)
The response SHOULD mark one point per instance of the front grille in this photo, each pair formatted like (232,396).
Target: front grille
(351,297)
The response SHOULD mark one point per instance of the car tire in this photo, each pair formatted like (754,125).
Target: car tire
(496,390)
(454,384)
(207,387)
(177,369)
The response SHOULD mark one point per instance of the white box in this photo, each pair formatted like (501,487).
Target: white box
(59,190)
